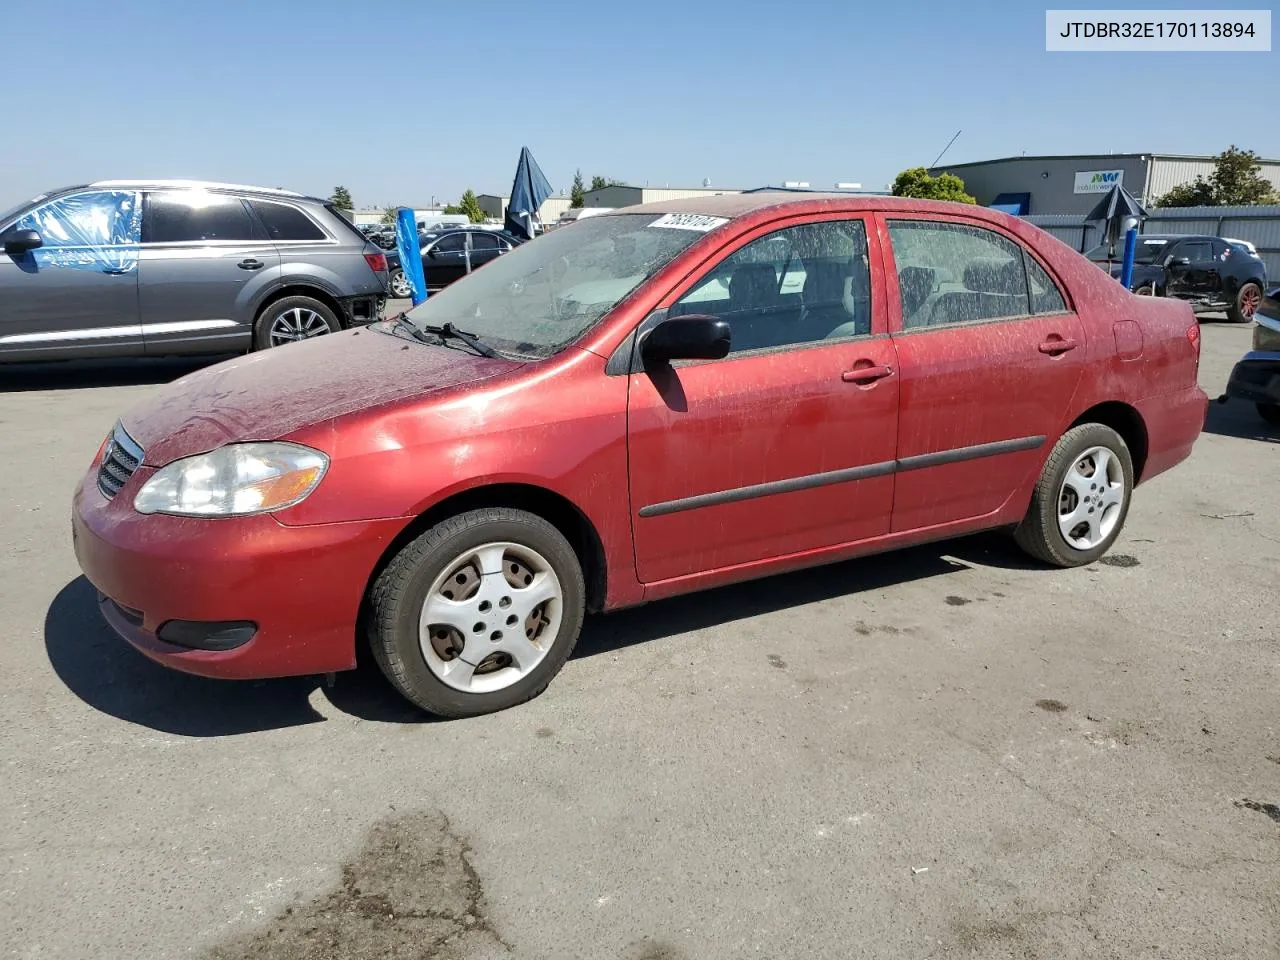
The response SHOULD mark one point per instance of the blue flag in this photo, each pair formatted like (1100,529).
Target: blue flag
(410,253)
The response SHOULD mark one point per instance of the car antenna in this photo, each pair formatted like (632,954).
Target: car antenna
(945,149)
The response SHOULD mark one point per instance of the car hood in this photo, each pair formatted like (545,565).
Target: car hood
(268,395)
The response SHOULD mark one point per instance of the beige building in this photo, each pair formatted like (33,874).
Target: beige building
(626,196)
(495,207)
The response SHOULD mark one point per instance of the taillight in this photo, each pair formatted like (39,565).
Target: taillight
(1193,336)
(377,262)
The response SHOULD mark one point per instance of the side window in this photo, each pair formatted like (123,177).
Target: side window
(452,243)
(1197,251)
(798,285)
(103,219)
(951,273)
(1045,295)
(284,222)
(484,241)
(193,215)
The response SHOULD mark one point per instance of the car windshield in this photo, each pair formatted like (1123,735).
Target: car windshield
(1148,251)
(543,295)
(14,211)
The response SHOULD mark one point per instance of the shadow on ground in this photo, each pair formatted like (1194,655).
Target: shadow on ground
(112,677)
(1236,418)
(82,374)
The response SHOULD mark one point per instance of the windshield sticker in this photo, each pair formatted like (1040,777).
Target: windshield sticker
(689,221)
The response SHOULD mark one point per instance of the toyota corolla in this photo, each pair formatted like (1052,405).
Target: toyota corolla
(649,402)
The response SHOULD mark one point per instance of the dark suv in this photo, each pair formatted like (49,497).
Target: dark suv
(118,268)
(1211,273)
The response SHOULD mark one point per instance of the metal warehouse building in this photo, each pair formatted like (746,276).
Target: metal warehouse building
(1072,185)
(626,196)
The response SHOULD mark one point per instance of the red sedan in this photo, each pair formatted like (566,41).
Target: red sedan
(645,403)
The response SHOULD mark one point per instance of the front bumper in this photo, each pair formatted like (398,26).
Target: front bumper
(299,587)
(1256,378)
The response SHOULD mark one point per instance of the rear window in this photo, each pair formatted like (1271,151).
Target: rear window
(284,222)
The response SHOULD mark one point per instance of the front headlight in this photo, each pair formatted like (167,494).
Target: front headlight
(235,480)
(1266,335)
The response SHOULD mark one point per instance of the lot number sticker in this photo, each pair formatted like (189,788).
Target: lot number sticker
(688,221)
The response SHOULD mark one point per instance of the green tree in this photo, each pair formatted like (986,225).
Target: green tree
(917,183)
(388,215)
(599,183)
(1236,180)
(341,198)
(471,207)
(577,193)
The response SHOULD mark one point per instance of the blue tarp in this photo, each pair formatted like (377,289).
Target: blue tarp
(89,231)
(410,253)
(527,195)
(1018,204)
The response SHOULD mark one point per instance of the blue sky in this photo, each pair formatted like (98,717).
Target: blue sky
(305,94)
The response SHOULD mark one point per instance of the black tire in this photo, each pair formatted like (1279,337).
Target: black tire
(397,597)
(1270,412)
(306,306)
(1238,312)
(1146,290)
(398,274)
(1038,533)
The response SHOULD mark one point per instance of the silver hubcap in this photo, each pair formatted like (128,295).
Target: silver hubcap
(490,617)
(1091,498)
(297,324)
(400,284)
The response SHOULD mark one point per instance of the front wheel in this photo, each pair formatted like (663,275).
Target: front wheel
(399,284)
(1270,412)
(1146,290)
(1081,500)
(479,613)
(1246,303)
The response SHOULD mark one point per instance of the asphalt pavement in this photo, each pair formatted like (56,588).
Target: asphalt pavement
(943,752)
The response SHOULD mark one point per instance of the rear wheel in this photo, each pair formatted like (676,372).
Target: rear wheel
(479,613)
(1081,500)
(1246,303)
(1146,290)
(291,319)
(1270,412)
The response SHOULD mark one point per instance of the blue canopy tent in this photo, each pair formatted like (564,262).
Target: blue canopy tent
(528,193)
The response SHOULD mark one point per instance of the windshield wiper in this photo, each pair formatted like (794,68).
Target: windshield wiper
(448,330)
(401,321)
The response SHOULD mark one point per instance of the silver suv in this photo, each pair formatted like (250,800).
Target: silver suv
(128,268)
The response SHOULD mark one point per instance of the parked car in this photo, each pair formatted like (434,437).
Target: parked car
(445,253)
(645,403)
(120,268)
(1256,378)
(1210,273)
(1249,248)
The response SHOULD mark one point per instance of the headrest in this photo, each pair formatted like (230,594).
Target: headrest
(824,281)
(915,283)
(995,276)
(753,285)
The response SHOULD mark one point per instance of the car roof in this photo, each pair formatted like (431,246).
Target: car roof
(734,205)
(181,184)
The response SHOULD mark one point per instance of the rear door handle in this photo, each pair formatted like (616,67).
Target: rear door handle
(1056,345)
(866,374)
(250,264)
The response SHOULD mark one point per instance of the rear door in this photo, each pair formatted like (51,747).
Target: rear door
(484,247)
(786,445)
(76,294)
(203,257)
(990,355)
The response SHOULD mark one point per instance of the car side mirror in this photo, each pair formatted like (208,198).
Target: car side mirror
(431,252)
(20,241)
(689,337)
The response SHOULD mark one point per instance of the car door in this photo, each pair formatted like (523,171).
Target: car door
(445,259)
(988,367)
(1191,269)
(484,248)
(200,252)
(77,293)
(785,445)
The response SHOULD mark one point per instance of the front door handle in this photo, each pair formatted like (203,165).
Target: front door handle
(867,374)
(1056,345)
(250,264)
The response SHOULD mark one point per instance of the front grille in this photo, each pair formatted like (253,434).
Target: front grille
(119,460)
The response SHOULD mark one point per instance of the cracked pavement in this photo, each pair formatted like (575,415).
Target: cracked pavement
(944,752)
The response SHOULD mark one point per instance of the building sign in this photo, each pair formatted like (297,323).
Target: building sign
(1098,181)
